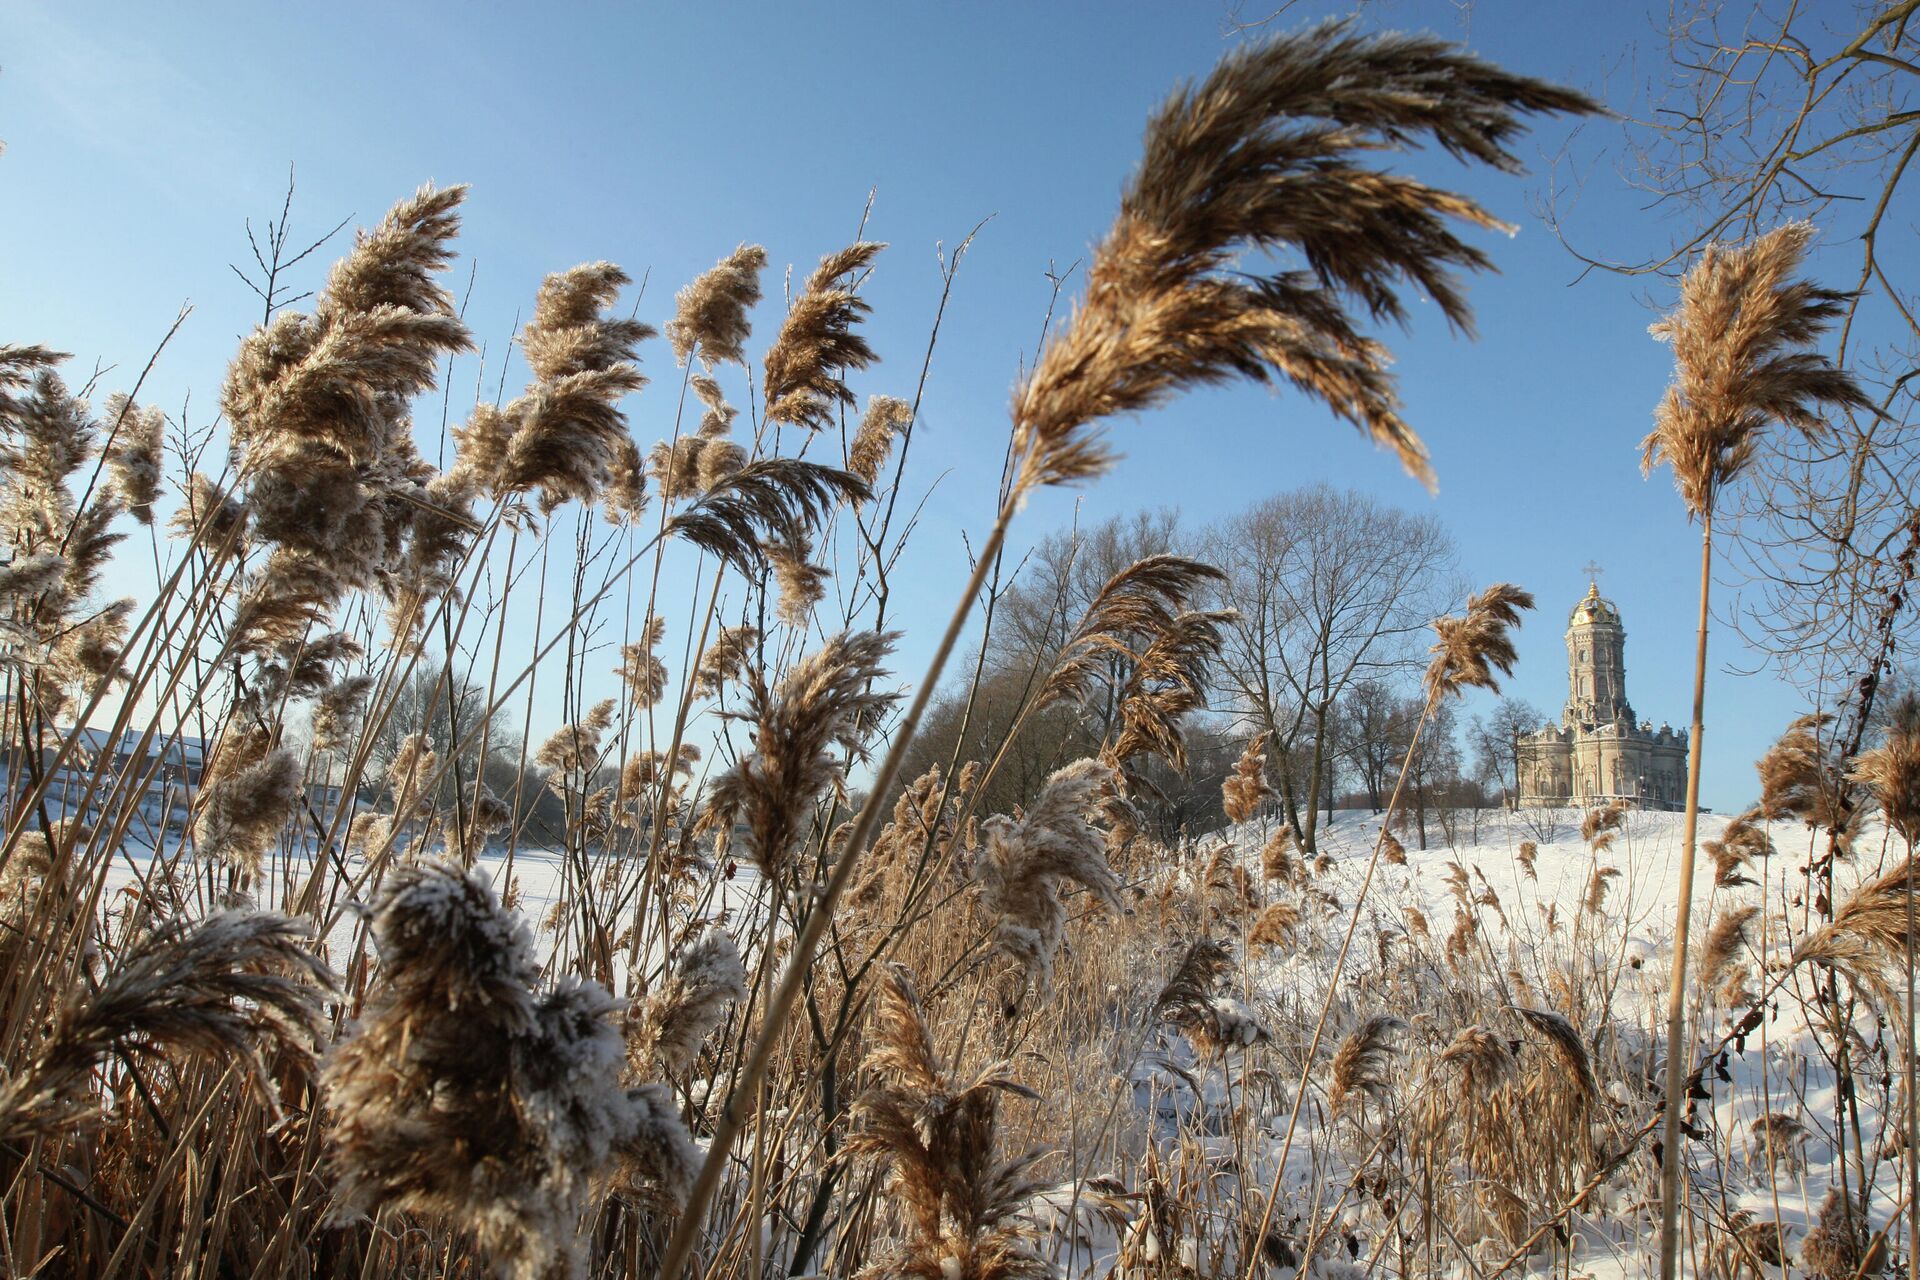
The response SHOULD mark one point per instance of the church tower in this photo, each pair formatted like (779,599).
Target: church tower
(1596,664)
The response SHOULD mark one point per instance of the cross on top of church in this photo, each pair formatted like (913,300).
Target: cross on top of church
(1593,572)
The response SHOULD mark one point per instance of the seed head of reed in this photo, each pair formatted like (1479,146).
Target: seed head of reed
(1743,840)
(1891,771)
(1275,927)
(1362,1066)
(886,418)
(938,1139)
(665,1031)
(805,368)
(1277,862)
(1800,778)
(1482,1058)
(1842,1245)
(1026,861)
(135,456)
(466,1094)
(317,403)
(209,514)
(1569,1050)
(1867,937)
(1742,341)
(1262,155)
(624,500)
(1472,647)
(724,659)
(338,710)
(710,314)
(575,748)
(414,760)
(640,667)
(763,503)
(1528,852)
(225,988)
(803,584)
(1246,787)
(1724,943)
(827,700)
(568,431)
(242,814)
(1391,849)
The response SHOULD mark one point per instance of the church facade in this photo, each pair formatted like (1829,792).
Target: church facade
(1598,752)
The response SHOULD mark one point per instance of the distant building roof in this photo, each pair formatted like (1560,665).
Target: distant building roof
(1594,608)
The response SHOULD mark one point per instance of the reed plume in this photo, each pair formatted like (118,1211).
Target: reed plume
(1482,1058)
(466,1094)
(640,666)
(1568,1048)
(1727,939)
(1842,1245)
(1800,778)
(761,503)
(826,700)
(1277,861)
(1472,647)
(1743,840)
(666,1030)
(710,314)
(1260,155)
(1246,786)
(134,454)
(1868,936)
(1891,771)
(725,659)
(317,404)
(225,988)
(242,814)
(805,367)
(1026,861)
(1742,338)
(1275,927)
(1363,1064)
(1528,852)
(886,418)
(938,1140)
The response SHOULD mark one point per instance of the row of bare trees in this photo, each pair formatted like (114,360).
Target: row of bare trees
(1330,593)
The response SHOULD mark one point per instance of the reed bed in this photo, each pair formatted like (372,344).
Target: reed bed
(313,964)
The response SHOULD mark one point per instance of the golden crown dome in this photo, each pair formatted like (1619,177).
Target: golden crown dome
(1594,608)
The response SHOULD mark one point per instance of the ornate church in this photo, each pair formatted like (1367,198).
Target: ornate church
(1598,753)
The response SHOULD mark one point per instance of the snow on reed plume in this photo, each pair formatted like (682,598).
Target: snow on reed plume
(242,814)
(1026,861)
(226,988)
(465,1093)
(938,1140)
(665,1031)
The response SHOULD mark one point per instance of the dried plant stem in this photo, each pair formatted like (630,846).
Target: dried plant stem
(1670,1162)
(726,1130)
(1333,979)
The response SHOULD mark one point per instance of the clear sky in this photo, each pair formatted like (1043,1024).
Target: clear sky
(139,136)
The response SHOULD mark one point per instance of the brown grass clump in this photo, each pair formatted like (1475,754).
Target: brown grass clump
(1842,1245)
(227,988)
(938,1140)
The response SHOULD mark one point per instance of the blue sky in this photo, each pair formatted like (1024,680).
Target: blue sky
(140,136)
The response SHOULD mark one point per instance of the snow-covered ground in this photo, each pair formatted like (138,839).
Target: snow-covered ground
(1528,927)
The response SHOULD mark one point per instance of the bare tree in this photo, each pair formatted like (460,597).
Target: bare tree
(1331,587)
(1375,725)
(1771,112)
(1494,739)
